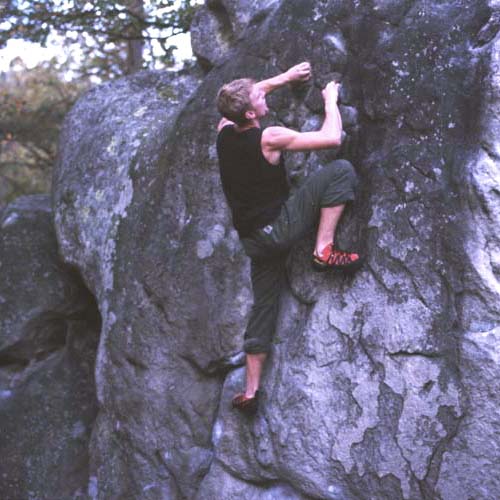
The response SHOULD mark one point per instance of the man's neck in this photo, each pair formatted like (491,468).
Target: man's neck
(252,124)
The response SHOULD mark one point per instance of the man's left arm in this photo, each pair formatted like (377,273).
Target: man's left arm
(301,72)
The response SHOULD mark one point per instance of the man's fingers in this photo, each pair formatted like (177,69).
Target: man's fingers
(306,69)
(333,84)
(302,71)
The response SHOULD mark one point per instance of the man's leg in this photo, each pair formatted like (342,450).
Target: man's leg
(323,196)
(268,277)
(254,365)
(327,224)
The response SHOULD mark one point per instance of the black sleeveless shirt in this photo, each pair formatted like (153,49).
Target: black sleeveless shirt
(255,189)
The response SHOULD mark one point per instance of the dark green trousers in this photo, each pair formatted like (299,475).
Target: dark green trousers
(268,247)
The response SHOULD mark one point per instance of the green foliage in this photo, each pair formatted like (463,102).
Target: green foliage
(33,103)
(112,35)
(115,38)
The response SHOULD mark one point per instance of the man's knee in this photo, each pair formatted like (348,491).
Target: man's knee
(344,166)
(343,169)
(256,346)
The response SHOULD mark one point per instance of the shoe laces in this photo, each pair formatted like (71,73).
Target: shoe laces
(339,257)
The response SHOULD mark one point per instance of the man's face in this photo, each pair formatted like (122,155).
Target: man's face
(258,100)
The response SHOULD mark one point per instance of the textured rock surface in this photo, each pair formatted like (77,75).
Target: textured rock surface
(477,442)
(218,25)
(379,386)
(49,329)
(138,231)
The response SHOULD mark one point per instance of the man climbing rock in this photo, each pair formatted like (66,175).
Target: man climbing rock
(267,219)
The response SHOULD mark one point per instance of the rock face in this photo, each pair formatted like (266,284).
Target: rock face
(218,25)
(378,386)
(49,329)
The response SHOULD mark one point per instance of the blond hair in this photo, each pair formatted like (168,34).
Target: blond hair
(233,99)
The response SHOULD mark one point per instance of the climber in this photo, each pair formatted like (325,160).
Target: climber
(267,219)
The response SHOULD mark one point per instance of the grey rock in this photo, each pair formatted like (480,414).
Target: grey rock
(349,116)
(219,483)
(476,445)
(123,209)
(49,328)
(211,37)
(241,12)
(219,24)
(476,442)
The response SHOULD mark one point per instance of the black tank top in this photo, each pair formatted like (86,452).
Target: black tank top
(255,189)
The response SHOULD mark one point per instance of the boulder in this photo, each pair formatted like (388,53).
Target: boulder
(377,384)
(49,330)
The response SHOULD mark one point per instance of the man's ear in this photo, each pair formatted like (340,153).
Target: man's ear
(250,115)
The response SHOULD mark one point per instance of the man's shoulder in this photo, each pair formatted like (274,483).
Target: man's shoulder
(224,134)
(225,128)
(224,122)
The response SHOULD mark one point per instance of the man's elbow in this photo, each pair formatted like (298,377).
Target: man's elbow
(333,141)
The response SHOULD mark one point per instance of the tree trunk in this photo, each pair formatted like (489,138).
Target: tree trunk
(135,47)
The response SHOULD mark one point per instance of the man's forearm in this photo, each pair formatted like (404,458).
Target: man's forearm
(273,83)
(332,125)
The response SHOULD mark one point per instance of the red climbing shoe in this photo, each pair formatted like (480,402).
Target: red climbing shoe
(336,259)
(246,404)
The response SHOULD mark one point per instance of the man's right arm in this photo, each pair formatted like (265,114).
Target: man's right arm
(282,138)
